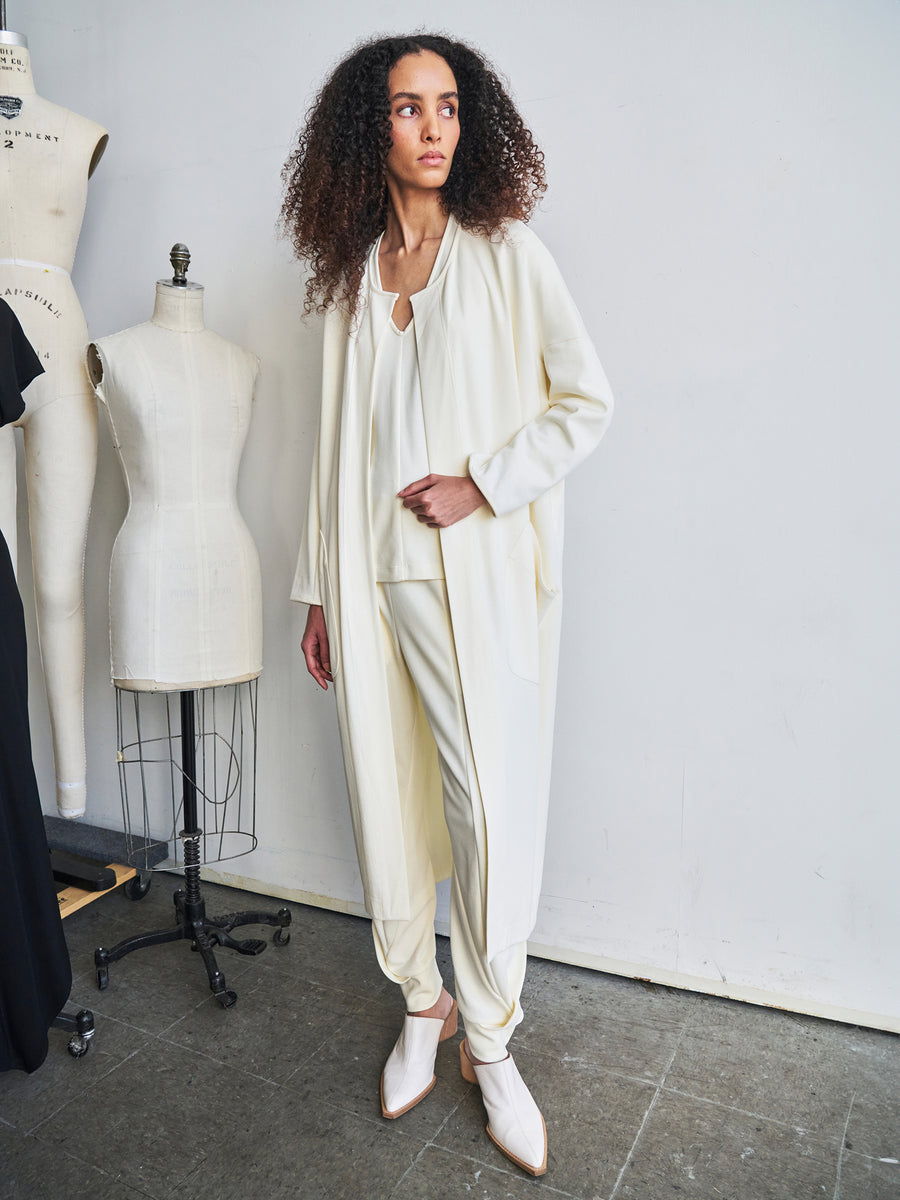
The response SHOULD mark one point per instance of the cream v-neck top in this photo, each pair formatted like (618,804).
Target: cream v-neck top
(405,548)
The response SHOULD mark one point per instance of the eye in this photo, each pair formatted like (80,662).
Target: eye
(406,110)
(447,110)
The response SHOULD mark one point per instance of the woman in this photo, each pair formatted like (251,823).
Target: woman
(459,388)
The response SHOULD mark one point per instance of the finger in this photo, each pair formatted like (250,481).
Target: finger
(420,502)
(320,671)
(321,676)
(418,485)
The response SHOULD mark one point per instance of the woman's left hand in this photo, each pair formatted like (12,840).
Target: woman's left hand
(442,500)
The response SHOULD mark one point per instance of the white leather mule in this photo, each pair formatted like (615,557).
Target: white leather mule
(408,1074)
(515,1124)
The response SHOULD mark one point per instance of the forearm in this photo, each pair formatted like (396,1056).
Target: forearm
(548,447)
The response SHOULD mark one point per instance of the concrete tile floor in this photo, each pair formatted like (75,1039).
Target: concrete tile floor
(648,1092)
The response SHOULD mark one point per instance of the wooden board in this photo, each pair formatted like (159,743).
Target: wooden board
(72,898)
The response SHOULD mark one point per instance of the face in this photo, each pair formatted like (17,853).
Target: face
(424,121)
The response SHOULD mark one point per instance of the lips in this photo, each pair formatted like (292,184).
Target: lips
(433,159)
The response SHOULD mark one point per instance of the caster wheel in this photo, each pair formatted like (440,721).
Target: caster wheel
(102,978)
(137,888)
(281,937)
(228,998)
(78,1046)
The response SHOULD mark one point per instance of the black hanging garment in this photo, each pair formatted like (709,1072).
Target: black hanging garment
(35,975)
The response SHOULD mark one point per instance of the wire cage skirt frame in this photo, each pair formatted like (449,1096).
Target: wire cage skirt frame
(151,774)
(207,763)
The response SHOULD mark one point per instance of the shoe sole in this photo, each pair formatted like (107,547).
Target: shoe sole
(541,1170)
(391,1116)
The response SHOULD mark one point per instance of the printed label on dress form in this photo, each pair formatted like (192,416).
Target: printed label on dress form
(29,294)
(13,138)
(10,61)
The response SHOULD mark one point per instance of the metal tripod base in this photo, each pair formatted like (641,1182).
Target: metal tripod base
(203,932)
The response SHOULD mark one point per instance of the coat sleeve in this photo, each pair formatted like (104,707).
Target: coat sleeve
(308,585)
(579,401)
(306,588)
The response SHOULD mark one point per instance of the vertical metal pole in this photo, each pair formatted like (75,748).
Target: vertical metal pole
(188,763)
(194,907)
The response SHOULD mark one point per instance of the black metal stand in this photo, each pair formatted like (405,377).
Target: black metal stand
(81,1027)
(191,921)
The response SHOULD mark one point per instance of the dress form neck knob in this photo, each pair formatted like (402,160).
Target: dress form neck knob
(180,258)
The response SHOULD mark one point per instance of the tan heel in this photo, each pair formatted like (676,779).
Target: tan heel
(451,1023)
(466,1068)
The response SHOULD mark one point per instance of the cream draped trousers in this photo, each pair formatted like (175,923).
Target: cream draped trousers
(423,684)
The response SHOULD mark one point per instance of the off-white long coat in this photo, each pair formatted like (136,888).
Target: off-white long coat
(514,394)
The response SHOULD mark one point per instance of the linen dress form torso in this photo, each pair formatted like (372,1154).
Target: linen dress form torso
(185,593)
(48,154)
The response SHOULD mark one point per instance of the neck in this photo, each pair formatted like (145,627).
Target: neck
(413,217)
(15,65)
(178,308)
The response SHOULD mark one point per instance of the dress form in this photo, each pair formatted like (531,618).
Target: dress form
(185,590)
(47,154)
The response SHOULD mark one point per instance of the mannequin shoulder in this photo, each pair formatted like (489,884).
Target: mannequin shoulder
(116,355)
(78,138)
(132,334)
(91,139)
(227,347)
(90,131)
(76,126)
(239,357)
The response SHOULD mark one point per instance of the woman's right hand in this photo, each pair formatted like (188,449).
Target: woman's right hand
(314,645)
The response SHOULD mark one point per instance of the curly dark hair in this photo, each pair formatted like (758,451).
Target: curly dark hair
(336,199)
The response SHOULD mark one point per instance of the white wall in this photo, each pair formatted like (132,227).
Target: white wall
(723,203)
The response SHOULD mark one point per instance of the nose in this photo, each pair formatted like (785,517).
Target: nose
(431,130)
